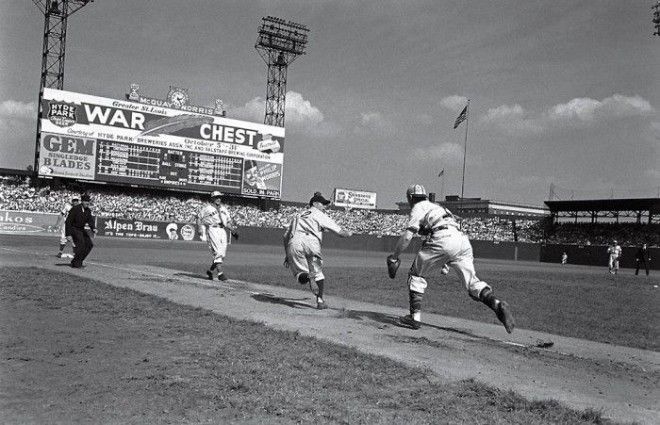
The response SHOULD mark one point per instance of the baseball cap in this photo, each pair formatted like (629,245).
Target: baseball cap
(416,190)
(75,198)
(216,194)
(318,198)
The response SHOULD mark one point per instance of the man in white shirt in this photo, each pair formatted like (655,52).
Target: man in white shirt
(302,244)
(212,220)
(61,219)
(445,245)
(614,252)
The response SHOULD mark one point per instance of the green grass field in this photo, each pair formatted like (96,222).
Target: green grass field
(78,351)
(581,302)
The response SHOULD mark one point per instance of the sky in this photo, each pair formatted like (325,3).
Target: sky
(561,92)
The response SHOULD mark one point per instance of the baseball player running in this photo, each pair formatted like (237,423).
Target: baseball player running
(614,252)
(445,244)
(302,245)
(212,220)
(61,220)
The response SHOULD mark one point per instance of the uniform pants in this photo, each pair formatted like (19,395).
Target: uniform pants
(646,266)
(613,262)
(63,239)
(304,254)
(216,237)
(449,247)
(83,245)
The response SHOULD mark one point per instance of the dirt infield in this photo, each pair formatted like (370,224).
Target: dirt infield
(620,381)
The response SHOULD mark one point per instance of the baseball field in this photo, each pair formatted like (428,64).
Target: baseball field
(139,336)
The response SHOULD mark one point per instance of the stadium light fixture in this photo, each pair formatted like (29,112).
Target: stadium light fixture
(279,43)
(56,14)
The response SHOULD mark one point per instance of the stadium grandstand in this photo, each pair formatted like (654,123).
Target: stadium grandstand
(630,221)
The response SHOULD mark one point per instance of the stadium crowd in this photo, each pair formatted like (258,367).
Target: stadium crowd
(110,202)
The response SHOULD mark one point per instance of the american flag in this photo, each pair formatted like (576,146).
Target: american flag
(462,117)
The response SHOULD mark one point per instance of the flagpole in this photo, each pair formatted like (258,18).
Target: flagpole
(467,122)
(442,188)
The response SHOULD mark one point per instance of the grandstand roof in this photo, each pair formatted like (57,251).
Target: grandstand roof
(15,172)
(639,204)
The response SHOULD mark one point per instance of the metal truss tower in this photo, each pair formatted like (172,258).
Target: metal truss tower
(279,43)
(56,14)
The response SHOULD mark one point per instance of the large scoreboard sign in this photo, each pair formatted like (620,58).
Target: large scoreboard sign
(117,141)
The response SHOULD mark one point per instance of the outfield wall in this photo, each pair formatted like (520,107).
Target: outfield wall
(586,255)
(593,255)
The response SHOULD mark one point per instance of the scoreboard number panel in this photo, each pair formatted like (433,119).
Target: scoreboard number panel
(162,167)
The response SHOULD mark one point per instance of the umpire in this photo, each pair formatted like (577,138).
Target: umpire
(79,216)
(642,257)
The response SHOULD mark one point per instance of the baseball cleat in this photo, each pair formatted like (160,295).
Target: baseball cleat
(314,287)
(321,305)
(209,274)
(504,315)
(222,277)
(59,255)
(408,321)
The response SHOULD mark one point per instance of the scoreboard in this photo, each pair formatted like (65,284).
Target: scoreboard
(97,139)
(125,163)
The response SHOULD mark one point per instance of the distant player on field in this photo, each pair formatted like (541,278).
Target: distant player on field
(212,220)
(564,258)
(302,245)
(61,220)
(614,252)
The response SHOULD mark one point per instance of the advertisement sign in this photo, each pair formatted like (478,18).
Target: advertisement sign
(95,138)
(21,222)
(355,199)
(147,229)
(261,178)
(65,156)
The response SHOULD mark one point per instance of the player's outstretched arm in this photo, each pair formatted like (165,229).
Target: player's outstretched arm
(343,233)
(402,243)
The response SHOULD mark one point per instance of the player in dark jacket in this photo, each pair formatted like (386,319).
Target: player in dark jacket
(79,216)
(642,256)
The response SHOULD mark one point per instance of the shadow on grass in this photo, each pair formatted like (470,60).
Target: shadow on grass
(289,302)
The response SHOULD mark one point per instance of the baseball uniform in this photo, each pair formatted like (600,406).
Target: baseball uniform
(64,213)
(613,263)
(445,244)
(213,220)
(304,235)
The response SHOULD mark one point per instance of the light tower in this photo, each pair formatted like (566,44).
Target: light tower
(56,14)
(279,43)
